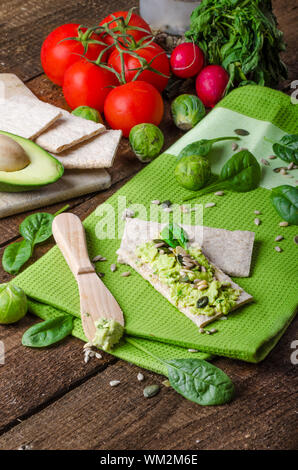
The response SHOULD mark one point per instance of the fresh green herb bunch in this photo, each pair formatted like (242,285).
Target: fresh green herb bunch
(242,36)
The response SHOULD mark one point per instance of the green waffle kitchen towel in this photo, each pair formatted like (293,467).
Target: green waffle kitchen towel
(152,323)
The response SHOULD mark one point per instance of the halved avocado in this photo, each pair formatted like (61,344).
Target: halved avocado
(41,170)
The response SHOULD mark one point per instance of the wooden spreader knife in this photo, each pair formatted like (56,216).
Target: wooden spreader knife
(96,301)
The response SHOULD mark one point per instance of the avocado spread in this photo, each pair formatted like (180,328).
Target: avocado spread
(108,333)
(190,277)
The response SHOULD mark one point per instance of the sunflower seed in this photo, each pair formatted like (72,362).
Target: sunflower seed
(151,391)
(265,162)
(257,221)
(140,377)
(223,318)
(156,201)
(193,350)
(114,383)
(272,157)
(283,172)
(257,212)
(202,286)
(127,214)
(278,248)
(210,204)
(126,274)
(98,356)
(101,275)
(99,258)
(203,269)
(290,166)
(202,331)
(159,245)
(219,193)
(234,146)
(113,268)
(241,132)
(283,224)
(279,238)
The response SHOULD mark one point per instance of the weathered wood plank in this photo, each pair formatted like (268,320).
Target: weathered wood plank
(96,416)
(24,24)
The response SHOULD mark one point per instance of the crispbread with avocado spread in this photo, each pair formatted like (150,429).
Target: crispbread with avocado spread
(184,276)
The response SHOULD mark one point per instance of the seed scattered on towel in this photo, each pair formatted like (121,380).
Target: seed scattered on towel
(283,171)
(272,157)
(140,377)
(151,391)
(291,166)
(193,350)
(156,201)
(113,268)
(223,318)
(296,239)
(279,238)
(202,331)
(114,383)
(214,330)
(283,224)
(241,132)
(166,204)
(99,258)
(265,162)
(126,274)
(210,204)
(257,221)
(257,212)
(98,356)
(234,146)
(278,249)
(128,214)
(219,193)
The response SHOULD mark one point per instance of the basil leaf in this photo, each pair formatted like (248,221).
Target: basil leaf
(15,256)
(37,228)
(48,332)
(286,148)
(174,236)
(200,381)
(285,201)
(241,173)
(202,147)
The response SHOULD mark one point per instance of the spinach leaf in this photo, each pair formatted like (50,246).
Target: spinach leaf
(174,236)
(286,148)
(37,228)
(241,173)
(285,202)
(202,147)
(48,332)
(200,381)
(15,256)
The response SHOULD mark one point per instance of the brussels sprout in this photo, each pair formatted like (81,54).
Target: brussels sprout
(86,112)
(187,111)
(146,141)
(193,172)
(13,304)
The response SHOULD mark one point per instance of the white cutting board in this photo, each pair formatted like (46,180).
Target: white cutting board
(73,183)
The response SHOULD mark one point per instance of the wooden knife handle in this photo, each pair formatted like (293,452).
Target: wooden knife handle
(70,237)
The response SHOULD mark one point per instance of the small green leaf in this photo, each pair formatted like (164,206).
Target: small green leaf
(48,332)
(174,236)
(202,147)
(286,148)
(285,201)
(37,228)
(200,381)
(15,256)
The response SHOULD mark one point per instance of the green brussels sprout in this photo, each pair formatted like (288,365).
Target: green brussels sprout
(86,112)
(13,304)
(187,111)
(146,141)
(193,172)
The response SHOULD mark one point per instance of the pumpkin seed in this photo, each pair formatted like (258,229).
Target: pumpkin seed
(166,204)
(202,302)
(241,132)
(150,391)
(296,239)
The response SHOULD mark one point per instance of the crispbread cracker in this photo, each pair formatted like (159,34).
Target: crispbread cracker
(98,152)
(137,232)
(26,116)
(67,132)
(11,85)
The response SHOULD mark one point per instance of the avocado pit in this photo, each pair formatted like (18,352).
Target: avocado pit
(12,155)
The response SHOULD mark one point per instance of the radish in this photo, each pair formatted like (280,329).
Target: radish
(211,84)
(187,60)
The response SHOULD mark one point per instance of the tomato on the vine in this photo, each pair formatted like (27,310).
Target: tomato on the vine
(126,26)
(131,104)
(153,55)
(57,56)
(87,84)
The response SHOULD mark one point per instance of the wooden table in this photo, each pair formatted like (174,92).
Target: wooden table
(51,399)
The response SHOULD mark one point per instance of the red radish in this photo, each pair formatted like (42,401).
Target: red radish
(187,60)
(211,84)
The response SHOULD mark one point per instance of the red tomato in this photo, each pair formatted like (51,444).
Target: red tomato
(57,56)
(87,84)
(131,104)
(135,21)
(160,63)
(187,60)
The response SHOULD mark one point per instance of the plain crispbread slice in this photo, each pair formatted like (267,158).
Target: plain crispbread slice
(26,116)
(98,152)
(67,132)
(139,231)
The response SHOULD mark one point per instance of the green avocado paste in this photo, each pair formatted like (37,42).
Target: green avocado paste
(108,333)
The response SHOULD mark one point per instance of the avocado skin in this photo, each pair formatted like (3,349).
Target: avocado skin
(11,187)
